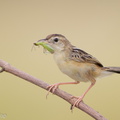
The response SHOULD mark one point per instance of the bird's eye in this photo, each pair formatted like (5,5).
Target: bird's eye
(56,39)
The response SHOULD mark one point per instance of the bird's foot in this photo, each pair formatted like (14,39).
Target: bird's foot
(77,102)
(52,88)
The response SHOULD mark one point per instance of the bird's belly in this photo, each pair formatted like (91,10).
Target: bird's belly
(76,72)
(77,76)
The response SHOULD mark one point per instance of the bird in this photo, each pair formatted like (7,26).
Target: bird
(75,63)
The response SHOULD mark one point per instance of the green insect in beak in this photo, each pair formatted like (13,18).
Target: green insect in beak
(45,45)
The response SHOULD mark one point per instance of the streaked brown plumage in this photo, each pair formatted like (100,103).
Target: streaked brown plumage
(76,63)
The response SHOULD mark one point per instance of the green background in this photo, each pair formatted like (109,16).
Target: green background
(92,25)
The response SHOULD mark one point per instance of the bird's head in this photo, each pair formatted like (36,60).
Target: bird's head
(53,43)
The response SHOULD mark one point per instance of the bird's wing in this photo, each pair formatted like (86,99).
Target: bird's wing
(81,56)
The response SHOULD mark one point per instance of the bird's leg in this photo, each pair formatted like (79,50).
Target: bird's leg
(81,97)
(53,87)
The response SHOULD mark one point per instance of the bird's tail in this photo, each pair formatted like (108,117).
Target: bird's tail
(113,69)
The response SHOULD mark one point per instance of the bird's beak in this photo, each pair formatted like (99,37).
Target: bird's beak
(45,45)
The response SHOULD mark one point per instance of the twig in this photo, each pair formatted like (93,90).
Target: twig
(66,96)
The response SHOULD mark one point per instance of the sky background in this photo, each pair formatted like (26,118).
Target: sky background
(91,25)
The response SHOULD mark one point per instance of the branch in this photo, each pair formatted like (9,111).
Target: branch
(62,94)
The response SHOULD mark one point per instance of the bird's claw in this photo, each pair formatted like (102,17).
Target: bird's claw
(51,88)
(77,102)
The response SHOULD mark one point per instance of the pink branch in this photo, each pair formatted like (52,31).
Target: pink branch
(62,94)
